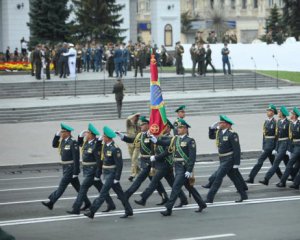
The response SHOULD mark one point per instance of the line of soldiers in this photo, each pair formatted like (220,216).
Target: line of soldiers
(160,156)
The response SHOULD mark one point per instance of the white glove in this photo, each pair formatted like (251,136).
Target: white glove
(274,152)
(116,181)
(121,135)
(100,138)
(215,125)
(153,139)
(289,154)
(188,174)
(152,158)
(96,179)
(236,166)
(82,133)
(57,134)
(75,176)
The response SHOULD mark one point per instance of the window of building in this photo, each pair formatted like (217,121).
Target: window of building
(148,5)
(280,3)
(255,3)
(168,35)
(244,4)
(212,4)
(232,4)
(270,3)
(222,3)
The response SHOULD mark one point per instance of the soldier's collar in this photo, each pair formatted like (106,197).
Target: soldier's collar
(67,139)
(182,136)
(91,140)
(108,144)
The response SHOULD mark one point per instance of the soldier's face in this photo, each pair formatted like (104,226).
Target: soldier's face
(89,136)
(144,127)
(106,139)
(182,130)
(270,113)
(223,125)
(280,115)
(181,114)
(64,134)
(293,116)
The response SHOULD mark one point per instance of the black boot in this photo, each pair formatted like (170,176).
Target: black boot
(182,203)
(294,186)
(109,208)
(199,210)
(168,212)
(141,202)
(164,201)
(280,185)
(85,207)
(127,214)
(249,180)
(265,182)
(73,211)
(244,197)
(48,205)
(206,186)
(89,214)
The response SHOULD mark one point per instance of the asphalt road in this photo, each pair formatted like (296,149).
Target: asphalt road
(270,213)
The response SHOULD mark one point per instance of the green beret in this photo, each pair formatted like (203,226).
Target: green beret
(66,127)
(284,111)
(170,124)
(296,111)
(182,107)
(224,118)
(272,108)
(108,132)
(93,129)
(143,119)
(182,122)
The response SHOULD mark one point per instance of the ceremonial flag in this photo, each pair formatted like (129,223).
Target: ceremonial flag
(158,116)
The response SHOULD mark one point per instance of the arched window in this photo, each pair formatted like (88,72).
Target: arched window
(168,35)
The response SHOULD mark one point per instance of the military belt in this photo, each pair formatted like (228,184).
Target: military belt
(225,154)
(67,162)
(296,140)
(269,137)
(109,166)
(88,163)
(145,156)
(283,139)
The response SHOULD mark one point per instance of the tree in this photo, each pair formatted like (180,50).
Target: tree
(98,20)
(291,17)
(48,21)
(186,22)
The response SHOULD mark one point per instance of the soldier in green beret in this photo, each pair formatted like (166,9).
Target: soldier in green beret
(146,151)
(183,150)
(92,169)
(294,150)
(180,115)
(163,163)
(282,144)
(269,143)
(112,170)
(69,152)
(230,156)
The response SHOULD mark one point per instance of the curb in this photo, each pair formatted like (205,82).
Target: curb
(17,169)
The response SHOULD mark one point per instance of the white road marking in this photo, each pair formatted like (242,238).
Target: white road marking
(209,237)
(145,210)
(10,179)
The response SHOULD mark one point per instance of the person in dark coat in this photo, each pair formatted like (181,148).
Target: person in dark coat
(118,90)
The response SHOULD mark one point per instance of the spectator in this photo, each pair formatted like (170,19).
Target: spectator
(23,47)
(118,90)
(7,54)
(225,59)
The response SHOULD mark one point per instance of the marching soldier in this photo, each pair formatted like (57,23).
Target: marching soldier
(294,147)
(68,149)
(269,143)
(183,149)
(179,50)
(163,169)
(92,169)
(230,156)
(112,170)
(180,115)
(282,144)
(132,130)
(146,150)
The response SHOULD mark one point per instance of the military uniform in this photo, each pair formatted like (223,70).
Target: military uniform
(183,149)
(179,50)
(146,150)
(201,60)
(208,60)
(269,143)
(163,169)
(118,90)
(92,168)
(193,50)
(69,152)
(229,155)
(138,62)
(294,148)
(112,170)
(282,145)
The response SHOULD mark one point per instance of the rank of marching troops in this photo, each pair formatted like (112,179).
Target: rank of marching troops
(171,157)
